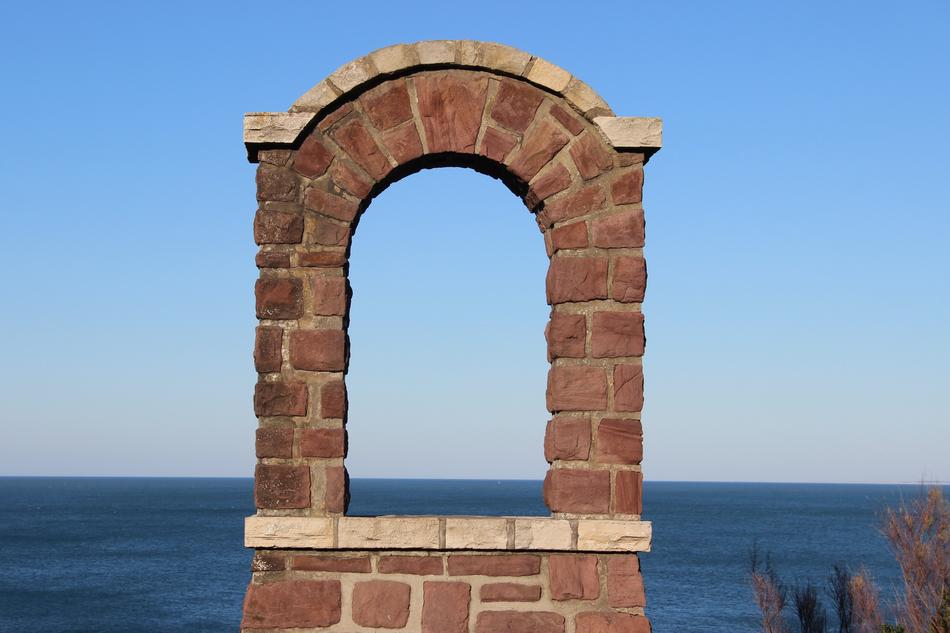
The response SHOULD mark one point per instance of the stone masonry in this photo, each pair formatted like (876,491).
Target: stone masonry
(579,170)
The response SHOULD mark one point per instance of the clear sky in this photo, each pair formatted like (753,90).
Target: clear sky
(798,217)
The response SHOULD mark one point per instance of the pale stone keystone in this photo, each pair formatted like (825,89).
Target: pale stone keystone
(389,532)
(288,532)
(631,132)
(543,534)
(476,533)
(274,127)
(599,535)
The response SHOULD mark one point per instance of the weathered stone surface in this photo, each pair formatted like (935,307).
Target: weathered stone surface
(542,534)
(624,582)
(280,398)
(567,438)
(519,622)
(329,296)
(616,334)
(629,279)
(552,180)
(387,105)
(272,259)
(288,532)
(445,607)
(335,498)
(494,565)
(585,99)
(577,388)
(577,491)
(451,105)
(567,119)
(500,57)
(342,564)
(601,535)
(627,187)
(609,622)
(628,387)
(496,144)
(277,227)
(544,73)
(333,400)
(322,259)
(315,99)
(274,127)
(357,142)
(277,184)
(393,58)
(432,52)
(347,179)
(415,565)
(538,147)
(591,157)
(281,486)
(274,442)
(516,104)
(574,577)
(330,204)
(352,74)
(574,205)
(328,233)
(318,350)
(381,604)
(619,441)
(619,230)
(267,348)
(403,143)
(569,236)
(279,298)
(292,604)
(509,592)
(572,279)
(628,496)
(322,442)
(313,157)
(566,335)
(268,561)
(475,533)
(389,532)
(627,132)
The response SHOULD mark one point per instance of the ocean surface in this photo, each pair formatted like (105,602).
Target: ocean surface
(165,555)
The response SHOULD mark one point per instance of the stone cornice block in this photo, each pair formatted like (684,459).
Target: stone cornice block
(644,134)
(599,535)
(316,532)
(278,128)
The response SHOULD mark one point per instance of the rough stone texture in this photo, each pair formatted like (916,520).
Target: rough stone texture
(414,565)
(632,132)
(387,105)
(462,533)
(274,442)
(280,398)
(279,298)
(322,259)
(509,592)
(515,105)
(574,577)
(451,106)
(624,582)
(572,279)
(566,335)
(313,158)
(378,532)
(280,486)
(336,496)
(549,182)
(570,236)
(577,388)
(619,230)
(539,146)
(445,607)
(333,400)
(330,204)
(577,491)
(567,438)
(329,296)
(573,205)
(316,532)
(591,157)
(272,259)
(267,348)
(619,441)
(292,604)
(542,534)
(322,442)
(628,387)
(403,143)
(617,334)
(503,565)
(346,564)
(627,188)
(629,279)
(278,227)
(318,350)
(618,536)
(381,604)
(357,142)
(496,144)
(276,184)
(273,127)
(628,498)
(608,622)
(519,622)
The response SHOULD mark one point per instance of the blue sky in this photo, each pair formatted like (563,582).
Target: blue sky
(797,217)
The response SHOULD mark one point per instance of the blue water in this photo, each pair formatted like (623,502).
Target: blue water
(166,555)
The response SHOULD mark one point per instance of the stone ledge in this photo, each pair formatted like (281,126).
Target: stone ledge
(641,134)
(449,533)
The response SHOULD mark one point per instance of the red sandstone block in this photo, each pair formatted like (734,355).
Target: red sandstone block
(628,387)
(569,236)
(357,142)
(591,157)
(624,582)
(571,122)
(510,592)
(494,565)
(272,259)
(572,279)
(573,205)
(609,622)
(415,565)
(627,188)
(292,604)
(279,298)
(403,143)
(322,259)
(335,117)
(277,184)
(322,443)
(552,180)
(381,604)
(274,156)
(318,350)
(626,159)
(574,577)
(577,491)
(537,149)
(629,280)
(277,227)
(567,438)
(445,607)
(268,561)
(333,400)
(619,441)
(515,105)
(267,348)
(451,106)
(496,144)
(628,493)
(566,335)
(519,622)
(330,204)
(619,230)
(387,105)
(616,334)
(342,564)
(313,158)
(281,486)
(336,498)
(274,442)
(280,398)
(328,233)
(577,388)
(329,296)
(347,179)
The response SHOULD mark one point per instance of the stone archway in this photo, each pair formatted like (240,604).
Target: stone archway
(579,169)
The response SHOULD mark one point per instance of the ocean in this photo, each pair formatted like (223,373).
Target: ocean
(165,555)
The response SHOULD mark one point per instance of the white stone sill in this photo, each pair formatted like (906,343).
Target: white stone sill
(448,533)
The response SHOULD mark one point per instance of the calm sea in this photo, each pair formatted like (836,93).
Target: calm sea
(165,555)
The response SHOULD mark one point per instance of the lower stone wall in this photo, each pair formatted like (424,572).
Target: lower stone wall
(442,592)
